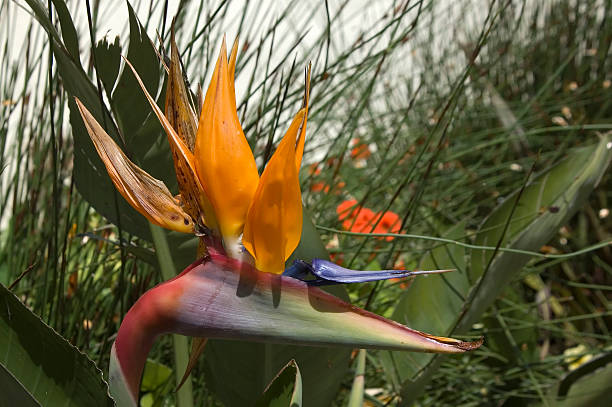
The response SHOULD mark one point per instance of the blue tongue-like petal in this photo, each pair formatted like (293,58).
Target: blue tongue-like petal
(326,272)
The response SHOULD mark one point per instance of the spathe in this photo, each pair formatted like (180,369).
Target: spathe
(218,297)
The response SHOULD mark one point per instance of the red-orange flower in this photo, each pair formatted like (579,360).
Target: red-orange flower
(362,223)
(323,187)
(360,150)
(361,220)
(345,209)
(313,169)
(319,187)
(389,223)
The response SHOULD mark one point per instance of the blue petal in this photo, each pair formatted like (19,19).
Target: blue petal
(299,270)
(326,273)
(332,272)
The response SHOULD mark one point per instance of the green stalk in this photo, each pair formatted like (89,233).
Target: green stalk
(356,396)
(184,395)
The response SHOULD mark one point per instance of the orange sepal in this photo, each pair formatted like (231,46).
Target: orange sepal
(224,161)
(274,222)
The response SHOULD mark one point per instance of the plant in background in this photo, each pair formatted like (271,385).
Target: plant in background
(364,220)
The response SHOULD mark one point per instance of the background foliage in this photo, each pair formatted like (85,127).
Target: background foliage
(443,113)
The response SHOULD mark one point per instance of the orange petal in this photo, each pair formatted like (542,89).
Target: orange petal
(186,170)
(274,222)
(224,161)
(299,145)
(347,209)
(147,195)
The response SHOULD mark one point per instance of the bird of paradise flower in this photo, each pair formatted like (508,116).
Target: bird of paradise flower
(248,227)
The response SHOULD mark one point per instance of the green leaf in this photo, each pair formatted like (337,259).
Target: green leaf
(310,245)
(285,390)
(108,61)
(156,375)
(442,295)
(545,205)
(144,141)
(69,33)
(239,371)
(589,385)
(36,363)
(13,392)
(151,149)
(89,172)
(129,103)
(156,383)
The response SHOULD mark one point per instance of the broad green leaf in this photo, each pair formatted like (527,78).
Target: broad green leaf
(156,383)
(431,303)
(589,385)
(13,392)
(45,365)
(4,274)
(69,33)
(144,141)
(129,103)
(310,245)
(239,371)
(150,146)
(507,118)
(90,175)
(285,390)
(108,61)
(546,204)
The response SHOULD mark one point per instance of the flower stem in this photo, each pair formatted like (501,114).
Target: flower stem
(184,395)
(356,395)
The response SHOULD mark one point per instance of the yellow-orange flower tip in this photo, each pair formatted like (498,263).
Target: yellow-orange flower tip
(299,145)
(225,164)
(274,222)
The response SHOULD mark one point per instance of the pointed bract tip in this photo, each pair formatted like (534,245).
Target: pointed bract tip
(425,272)
(464,346)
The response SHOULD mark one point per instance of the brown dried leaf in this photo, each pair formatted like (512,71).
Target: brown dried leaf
(178,108)
(182,118)
(146,194)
